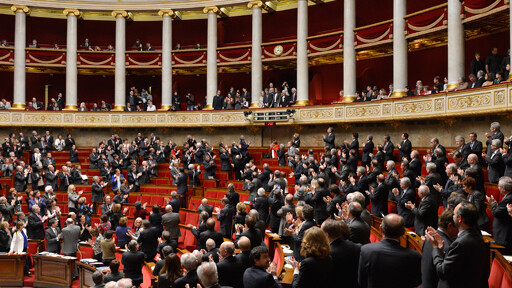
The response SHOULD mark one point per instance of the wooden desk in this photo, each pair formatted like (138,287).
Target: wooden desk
(85,271)
(11,269)
(53,272)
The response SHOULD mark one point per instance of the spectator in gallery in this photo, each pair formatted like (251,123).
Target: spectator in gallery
(110,47)
(97,48)
(489,79)
(176,102)
(505,65)
(140,47)
(149,47)
(82,107)
(151,106)
(136,44)
(4,104)
(95,107)
(36,104)
(492,62)
(56,46)
(445,85)
(178,47)
(87,45)
(499,78)
(462,84)
(198,46)
(34,44)
(3,43)
(190,101)
(129,107)
(476,64)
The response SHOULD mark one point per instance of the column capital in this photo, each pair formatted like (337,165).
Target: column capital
(121,13)
(211,9)
(72,12)
(166,13)
(20,9)
(256,4)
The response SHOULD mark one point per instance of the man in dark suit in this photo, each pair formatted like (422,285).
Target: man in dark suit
(392,178)
(379,197)
(53,237)
(209,167)
(133,261)
(425,215)
(475,146)
(262,205)
(502,224)
(388,148)
(468,255)
(264,177)
(435,145)
(148,240)
(211,250)
(252,232)
(329,138)
(308,213)
(229,269)
(450,186)
(205,207)
(225,216)
(405,147)
(244,257)
(463,148)
(496,134)
(354,144)
(380,260)
(495,164)
(431,180)
(181,182)
(403,196)
(257,276)
(171,221)
(65,179)
(367,149)
(35,227)
(359,230)
(189,264)
(20,179)
(210,233)
(448,231)
(167,250)
(415,163)
(344,253)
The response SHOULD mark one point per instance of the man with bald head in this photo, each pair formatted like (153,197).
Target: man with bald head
(386,263)
(211,249)
(425,214)
(205,207)
(210,233)
(229,268)
(244,244)
(171,221)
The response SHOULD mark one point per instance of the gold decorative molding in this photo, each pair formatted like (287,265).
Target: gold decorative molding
(72,12)
(486,101)
(256,4)
(20,9)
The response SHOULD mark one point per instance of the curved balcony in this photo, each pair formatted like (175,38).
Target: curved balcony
(490,100)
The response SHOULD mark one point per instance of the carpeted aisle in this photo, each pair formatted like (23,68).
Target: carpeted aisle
(29,281)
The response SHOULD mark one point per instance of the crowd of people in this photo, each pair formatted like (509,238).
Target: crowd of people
(494,70)
(324,217)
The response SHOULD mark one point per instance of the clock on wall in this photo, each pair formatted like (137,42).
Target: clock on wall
(278,50)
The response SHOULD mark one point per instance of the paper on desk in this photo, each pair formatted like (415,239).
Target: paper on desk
(484,233)
(508,258)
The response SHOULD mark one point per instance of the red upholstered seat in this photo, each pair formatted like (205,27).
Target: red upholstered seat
(192,218)
(491,219)
(374,238)
(190,241)
(506,282)
(496,275)
(87,252)
(210,194)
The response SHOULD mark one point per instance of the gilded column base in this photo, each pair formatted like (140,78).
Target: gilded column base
(255,105)
(301,103)
(208,107)
(348,99)
(118,108)
(398,94)
(18,107)
(70,108)
(451,86)
(164,108)
(509,77)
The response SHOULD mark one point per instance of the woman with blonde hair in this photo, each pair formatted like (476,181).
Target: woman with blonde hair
(73,197)
(315,270)
(241,213)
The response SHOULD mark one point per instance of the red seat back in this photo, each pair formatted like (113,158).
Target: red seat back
(496,275)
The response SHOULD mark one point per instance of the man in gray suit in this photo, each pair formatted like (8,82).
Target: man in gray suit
(71,237)
(170,221)
(53,237)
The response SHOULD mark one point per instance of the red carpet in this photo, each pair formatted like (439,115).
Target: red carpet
(29,281)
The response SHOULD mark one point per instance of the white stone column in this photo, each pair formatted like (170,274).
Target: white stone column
(349,51)
(71,66)
(256,67)
(399,49)
(302,54)
(455,44)
(120,74)
(166,58)
(211,59)
(20,28)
